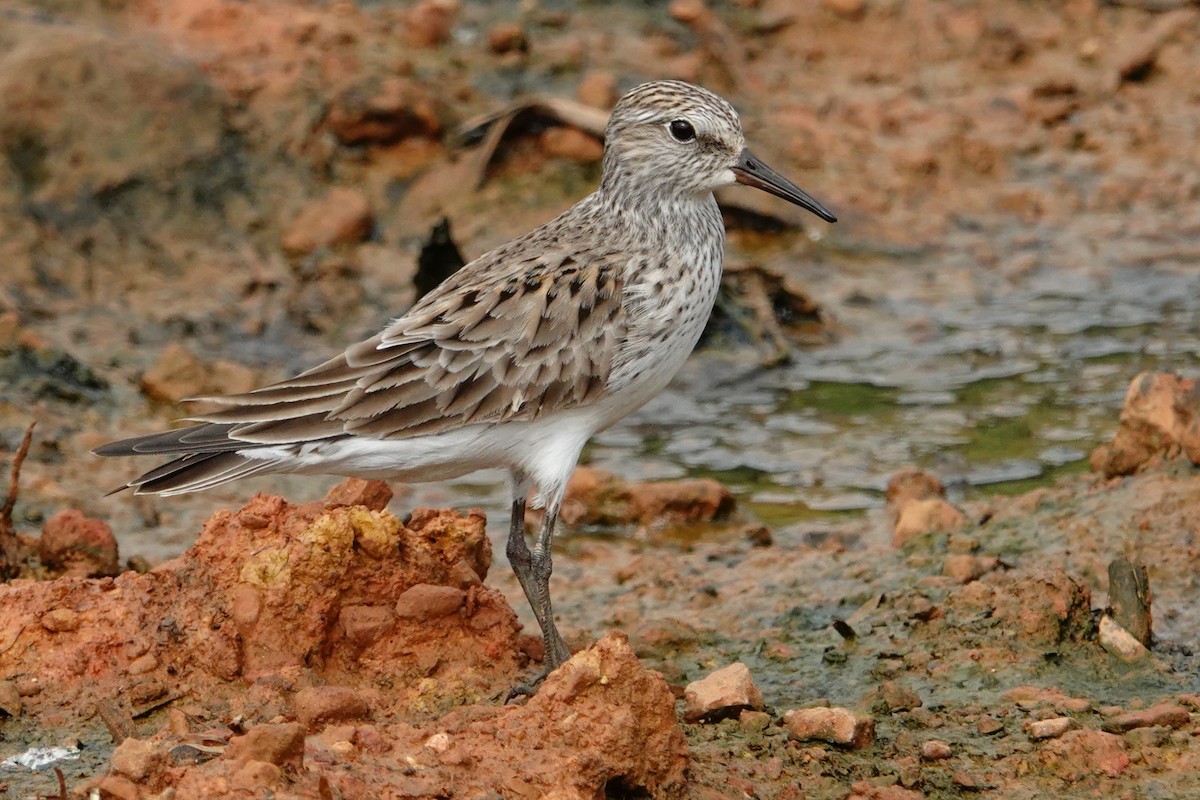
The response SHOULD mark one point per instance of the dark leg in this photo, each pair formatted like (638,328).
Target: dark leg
(533,573)
(543,565)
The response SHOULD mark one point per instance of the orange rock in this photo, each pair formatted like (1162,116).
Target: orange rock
(571,143)
(382,110)
(60,620)
(315,705)
(178,374)
(597,88)
(925,516)
(78,545)
(935,750)
(430,22)
(1167,715)
(507,37)
(1086,752)
(137,759)
(255,776)
(1041,607)
(1161,417)
(425,601)
(279,744)
(912,483)
(722,693)
(342,216)
(1048,728)
(365,625)
(850,9)
(117,787)
(597,497)
(963,568)
(839,726)
(374,495)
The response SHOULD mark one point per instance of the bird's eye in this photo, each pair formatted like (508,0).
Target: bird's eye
(682,130)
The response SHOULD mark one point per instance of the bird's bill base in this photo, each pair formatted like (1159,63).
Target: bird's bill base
(751,171)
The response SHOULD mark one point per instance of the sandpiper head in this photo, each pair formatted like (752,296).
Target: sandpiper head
(682,139)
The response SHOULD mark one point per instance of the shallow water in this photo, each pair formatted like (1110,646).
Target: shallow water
(997,395)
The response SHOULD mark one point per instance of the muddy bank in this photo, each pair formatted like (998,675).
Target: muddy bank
(304,649)
(316,648)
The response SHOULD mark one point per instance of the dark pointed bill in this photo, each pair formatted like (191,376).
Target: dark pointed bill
(753,172)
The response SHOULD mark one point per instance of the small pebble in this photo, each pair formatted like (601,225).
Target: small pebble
(935,750)
(721,694)
(1048,728)
(835,725)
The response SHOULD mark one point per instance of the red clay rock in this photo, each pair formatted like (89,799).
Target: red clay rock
(280,744)
(597,497)
(1048,728)
(1161,413)
(933,515)
(721,694)
(1081,753)
(382,110)
(891,696)
(262,600)
(342,216)
(374,495)
(77,545)
(600,720)
(865,790)
(1039,607)
(507,37)
(178,374)
(597,88)
(117,787)
(365,625)
(935,750)
(136,758)
(60,620)
(839,726)
(255,776)
(430,22)
(425,601)
(323,704)
(1167,715)
(850,9)
(573,144)
(963,567)
(912,483)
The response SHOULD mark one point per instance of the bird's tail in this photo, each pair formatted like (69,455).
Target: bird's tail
(197,472)
(205,457)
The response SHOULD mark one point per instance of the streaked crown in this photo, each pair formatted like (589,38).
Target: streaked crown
(672,137)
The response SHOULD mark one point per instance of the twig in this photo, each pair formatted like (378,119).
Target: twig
(12,549)
(6,526)
(117,719)
(157,704)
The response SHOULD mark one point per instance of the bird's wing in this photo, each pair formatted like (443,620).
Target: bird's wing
(488,345)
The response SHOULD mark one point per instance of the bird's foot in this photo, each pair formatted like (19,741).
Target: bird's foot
(529,687)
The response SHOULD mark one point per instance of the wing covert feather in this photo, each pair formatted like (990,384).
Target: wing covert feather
(517,343)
